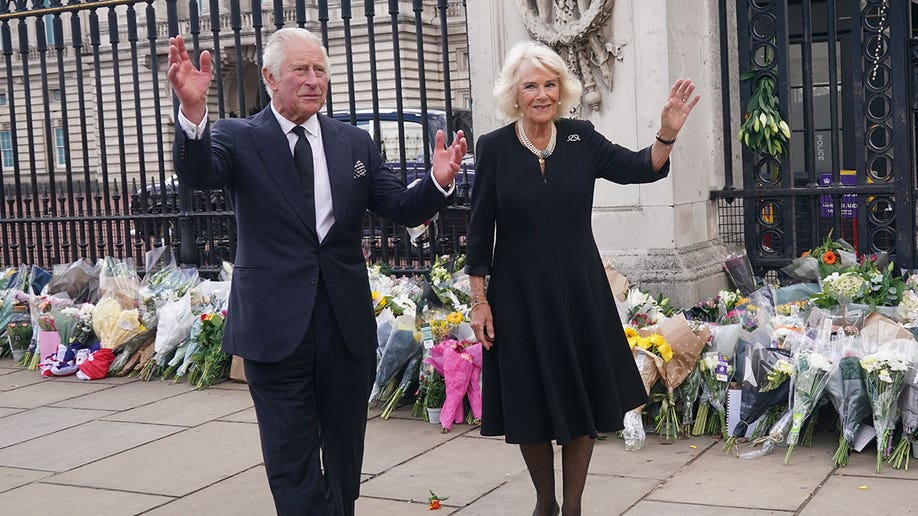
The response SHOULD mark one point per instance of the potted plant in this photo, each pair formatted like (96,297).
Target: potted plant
(434,397)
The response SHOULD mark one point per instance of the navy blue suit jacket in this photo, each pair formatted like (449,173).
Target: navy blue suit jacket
(278,256)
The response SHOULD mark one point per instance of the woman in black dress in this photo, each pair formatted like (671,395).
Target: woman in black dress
(557,365)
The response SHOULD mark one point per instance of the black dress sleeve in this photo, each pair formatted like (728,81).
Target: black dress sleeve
(483,218)
(621,165)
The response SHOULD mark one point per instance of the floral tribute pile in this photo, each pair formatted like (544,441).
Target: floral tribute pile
(100,320)
(760,367)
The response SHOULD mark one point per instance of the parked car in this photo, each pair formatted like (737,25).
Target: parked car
(415,166)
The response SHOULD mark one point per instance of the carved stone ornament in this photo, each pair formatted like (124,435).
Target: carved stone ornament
(574,28)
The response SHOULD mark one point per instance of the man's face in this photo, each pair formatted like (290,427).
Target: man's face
(302,83)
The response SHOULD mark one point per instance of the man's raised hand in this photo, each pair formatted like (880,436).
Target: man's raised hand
(189,83)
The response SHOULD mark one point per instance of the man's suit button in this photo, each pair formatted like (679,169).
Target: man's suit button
(313,281)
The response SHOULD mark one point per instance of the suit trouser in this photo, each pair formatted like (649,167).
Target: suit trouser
(315,400)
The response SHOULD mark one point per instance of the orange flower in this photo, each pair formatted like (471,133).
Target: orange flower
(829,257)
(434,505)
(805,254)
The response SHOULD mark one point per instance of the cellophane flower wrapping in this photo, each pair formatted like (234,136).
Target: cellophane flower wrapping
(764,384)
(164,282)
(650,367)
(113,324)
(885,366)
(207,297)
(848,394)
(173,327)
(118,279)
(79,280)
(403,343)
(814,359)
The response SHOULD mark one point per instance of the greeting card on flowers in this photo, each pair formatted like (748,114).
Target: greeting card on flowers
(862,438)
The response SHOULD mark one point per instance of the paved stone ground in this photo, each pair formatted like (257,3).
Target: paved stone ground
(121,446)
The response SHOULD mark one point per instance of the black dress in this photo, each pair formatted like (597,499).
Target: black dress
(560,367)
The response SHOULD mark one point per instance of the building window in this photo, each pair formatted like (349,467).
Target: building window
(60,148)
(3,100)
(49,24)
(56,95)
(6,149)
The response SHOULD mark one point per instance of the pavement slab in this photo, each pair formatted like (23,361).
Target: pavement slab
(7,411)
(243,416)
(48,392)
(175,465)
(248,490)
(652,508)
(858,495)
(128,396)
(653,460)
(42,498)
(29,424)
(12,477)
(449,468)
(79,445)
(724,480)
(383,507)
(189,409)
(19,378)
(382,452)
(602,496)
(864,464)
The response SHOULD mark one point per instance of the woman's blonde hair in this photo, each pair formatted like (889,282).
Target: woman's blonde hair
(543,58)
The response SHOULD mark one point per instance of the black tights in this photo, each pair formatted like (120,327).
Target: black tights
(575,461)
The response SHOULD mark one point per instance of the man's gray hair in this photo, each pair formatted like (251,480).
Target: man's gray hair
(273,56)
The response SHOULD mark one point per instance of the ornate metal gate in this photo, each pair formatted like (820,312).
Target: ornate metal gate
(842,71)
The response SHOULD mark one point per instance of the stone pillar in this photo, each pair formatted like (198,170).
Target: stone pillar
(663,236)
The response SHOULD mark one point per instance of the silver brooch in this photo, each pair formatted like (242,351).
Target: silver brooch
(573,138)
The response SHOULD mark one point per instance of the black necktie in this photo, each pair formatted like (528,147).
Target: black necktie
(302,157)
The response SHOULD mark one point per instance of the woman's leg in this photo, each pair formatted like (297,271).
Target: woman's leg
(540,460)
(575,461)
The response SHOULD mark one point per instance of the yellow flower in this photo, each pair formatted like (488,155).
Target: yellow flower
(643,343)
(630,332)
(454,318)
(375,295)
(666,352)
(383,302)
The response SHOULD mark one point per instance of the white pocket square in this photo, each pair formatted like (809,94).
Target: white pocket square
(360,170)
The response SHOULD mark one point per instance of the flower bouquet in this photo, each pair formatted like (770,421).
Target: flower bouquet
(172,329)
(819,262)
(716,368)
(19,337)
(846,391)
(401,346)
(908,409)
(885,365)
(764,385)
(113,324)
(813,362)
(685,348)
(210,363)
(650,352)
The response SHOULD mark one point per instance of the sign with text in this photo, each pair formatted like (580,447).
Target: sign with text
(848,201)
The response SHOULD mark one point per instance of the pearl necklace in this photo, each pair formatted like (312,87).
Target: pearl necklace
(541,154)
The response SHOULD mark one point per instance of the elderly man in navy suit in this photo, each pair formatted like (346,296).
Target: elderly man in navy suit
(300,311)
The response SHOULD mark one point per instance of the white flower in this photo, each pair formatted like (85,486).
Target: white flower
(637,298)
(884,376)
(848,285)
(870,363)
(783,366)
(908,307)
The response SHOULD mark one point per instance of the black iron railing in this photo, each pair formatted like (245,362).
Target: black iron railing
(87,117)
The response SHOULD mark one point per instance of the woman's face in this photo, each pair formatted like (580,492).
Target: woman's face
(537,94)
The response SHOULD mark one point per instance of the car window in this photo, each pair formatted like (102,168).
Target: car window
(388,129)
